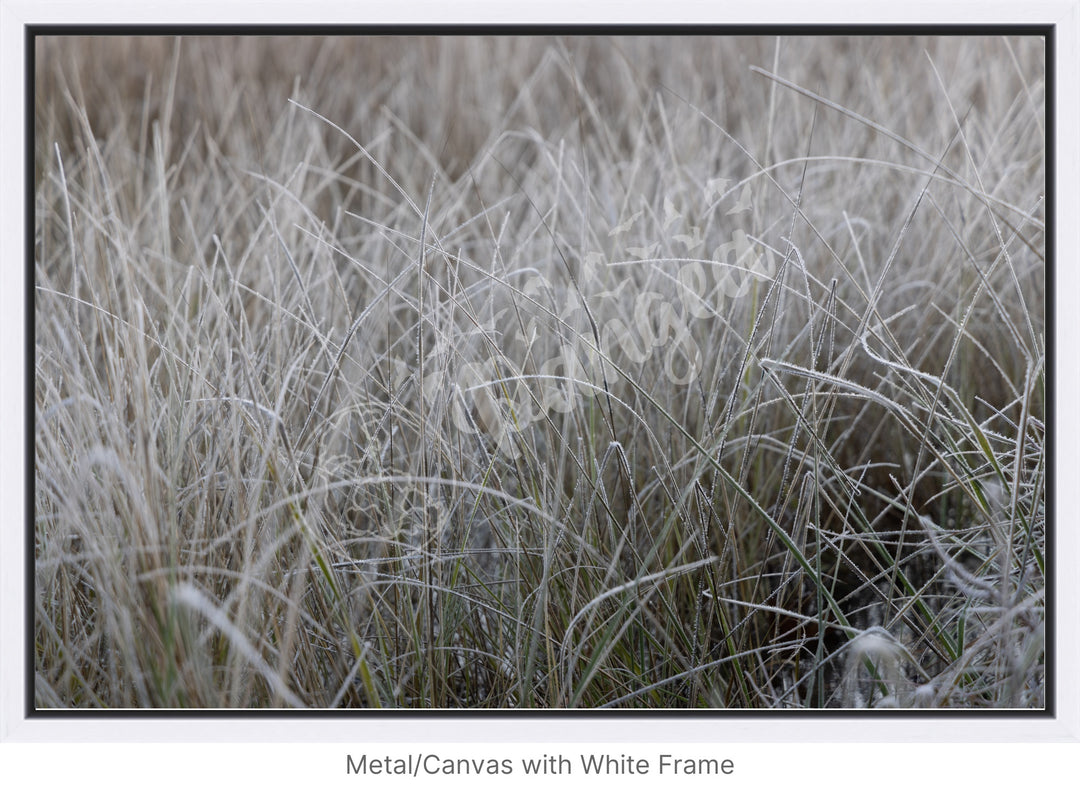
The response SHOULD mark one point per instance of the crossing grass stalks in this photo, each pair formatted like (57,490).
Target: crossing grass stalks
(561,373)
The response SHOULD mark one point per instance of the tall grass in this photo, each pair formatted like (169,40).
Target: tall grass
(580,372)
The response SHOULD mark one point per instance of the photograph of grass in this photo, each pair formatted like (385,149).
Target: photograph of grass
(519,371)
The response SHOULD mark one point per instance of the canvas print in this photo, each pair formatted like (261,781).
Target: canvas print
(539,372)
